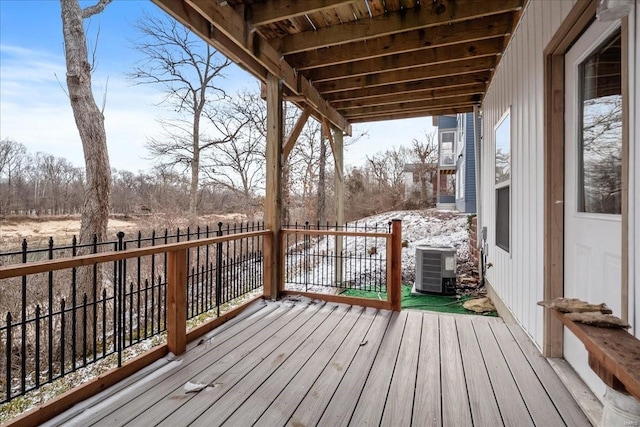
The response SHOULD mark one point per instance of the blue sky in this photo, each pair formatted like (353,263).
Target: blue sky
(35,111)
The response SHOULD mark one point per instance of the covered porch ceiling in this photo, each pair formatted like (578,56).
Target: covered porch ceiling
(353,61)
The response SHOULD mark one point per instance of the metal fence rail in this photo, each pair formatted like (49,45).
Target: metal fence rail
(330,258)
(59,320)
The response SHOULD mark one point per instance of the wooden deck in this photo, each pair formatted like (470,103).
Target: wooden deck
(303,364)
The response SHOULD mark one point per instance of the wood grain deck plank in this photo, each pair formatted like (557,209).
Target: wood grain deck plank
(283,407)
(484,408)
(455,401)
(293,378)
(371,403)
(427,406)
(226,371)
(399,405)
(542,410)
(507,395)
(560,396)
(343,367)
(129,401)
(342,404)
(300,346)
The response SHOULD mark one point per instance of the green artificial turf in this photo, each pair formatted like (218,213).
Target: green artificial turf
(439,303)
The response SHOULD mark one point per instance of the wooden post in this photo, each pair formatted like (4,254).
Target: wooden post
(338,155)
(273,282)
(394,288)
(177,301)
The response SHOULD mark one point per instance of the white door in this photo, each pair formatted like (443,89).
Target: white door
(593,165)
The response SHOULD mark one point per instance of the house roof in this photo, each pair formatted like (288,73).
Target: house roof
(352,61)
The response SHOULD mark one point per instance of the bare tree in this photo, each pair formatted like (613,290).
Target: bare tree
(425,155)
(89,119)
(237,164)
(187,69)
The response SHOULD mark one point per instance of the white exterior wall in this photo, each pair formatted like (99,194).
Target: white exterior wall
(518,276)
(634,170)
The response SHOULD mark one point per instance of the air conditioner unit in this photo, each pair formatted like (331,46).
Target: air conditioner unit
(436,270)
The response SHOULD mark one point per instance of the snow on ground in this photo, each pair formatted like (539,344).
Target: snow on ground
(419,228)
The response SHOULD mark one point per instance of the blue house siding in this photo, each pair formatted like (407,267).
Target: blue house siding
(467,203)
(447,122)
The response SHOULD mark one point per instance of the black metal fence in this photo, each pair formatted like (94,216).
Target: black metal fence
(320,262)
(57,322)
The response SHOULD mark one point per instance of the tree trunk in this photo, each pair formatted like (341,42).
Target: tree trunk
(90,123)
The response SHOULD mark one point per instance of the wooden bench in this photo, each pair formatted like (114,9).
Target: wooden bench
(614,354)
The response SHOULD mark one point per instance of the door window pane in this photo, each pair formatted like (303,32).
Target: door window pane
(600,153)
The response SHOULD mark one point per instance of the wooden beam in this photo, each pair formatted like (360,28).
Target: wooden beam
(327,132)
(411,41)
(453,84)
(273,196)
(394,263)
(338,183)
(278,10)
(448,55)
(393,98)
(295,133)
(487,63)
(410,114)
(435,83)
(428,15)
(416,105)
(233,26)
(191,19)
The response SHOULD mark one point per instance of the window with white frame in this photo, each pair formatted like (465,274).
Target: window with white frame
(447,148)
(503,180)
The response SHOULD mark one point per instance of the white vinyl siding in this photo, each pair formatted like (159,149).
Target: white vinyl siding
(517,276)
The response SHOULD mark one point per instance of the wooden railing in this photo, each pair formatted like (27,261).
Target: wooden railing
(176,298)
(391,267)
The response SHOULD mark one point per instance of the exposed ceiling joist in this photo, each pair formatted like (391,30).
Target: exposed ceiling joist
(451,92)
(427,15)
(277,10)
(414,74)
(438,55)
(445,35)
(422,104)
(410,114)
(401,88)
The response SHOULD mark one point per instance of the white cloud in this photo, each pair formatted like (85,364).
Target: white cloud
(35,111)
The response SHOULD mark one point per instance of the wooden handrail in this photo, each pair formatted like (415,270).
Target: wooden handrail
(18,270)
(393,260)
(335,233)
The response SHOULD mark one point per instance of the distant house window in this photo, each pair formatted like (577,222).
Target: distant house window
(503,180)
(447,148)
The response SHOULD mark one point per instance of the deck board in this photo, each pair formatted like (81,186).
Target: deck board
(305,364)
(262,398)
(284,406)
(345,368)
(455,401)
(507,395)
(427,404)
(484,409)
(371,403)
(542,410)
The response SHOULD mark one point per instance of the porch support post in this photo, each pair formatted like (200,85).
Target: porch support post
(394,261)
(272,276)
(338,155)
(177,301)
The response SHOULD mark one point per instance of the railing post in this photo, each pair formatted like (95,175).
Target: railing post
(269,288)
(394,288)
(177,301)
